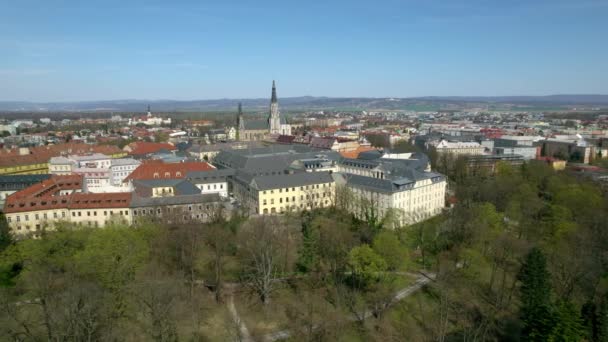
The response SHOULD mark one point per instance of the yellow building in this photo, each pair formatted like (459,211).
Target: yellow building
(280,193)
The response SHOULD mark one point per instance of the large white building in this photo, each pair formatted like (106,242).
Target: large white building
(149,120)
(279,178)
(100,172)
(121,168)
(401,188)
(457,147)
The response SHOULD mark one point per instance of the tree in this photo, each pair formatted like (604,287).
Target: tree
(218,238)
(365,265)
(590,320)
(535,297)
(112,257)
(325,246)
(264,248)
(387,245)
(156,300)
(602,320)
(568,325)
(5,236)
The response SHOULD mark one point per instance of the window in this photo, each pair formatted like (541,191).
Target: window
(73,213)
(37,217)
(88,213)
(27,217)
(79,213)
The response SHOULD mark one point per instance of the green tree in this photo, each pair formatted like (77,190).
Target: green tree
(5,235)
(590,320)
(365,264)
(568,325)
(602,320)
(535,297)
(387,245)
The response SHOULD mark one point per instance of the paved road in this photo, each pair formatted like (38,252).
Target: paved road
(423,279)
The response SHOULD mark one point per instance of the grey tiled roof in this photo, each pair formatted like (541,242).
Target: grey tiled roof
(269,159)
(18,182)
(186,188)
(214,176)
(291,180)
(256,125)
(180,186)
(223,146)
(390,185)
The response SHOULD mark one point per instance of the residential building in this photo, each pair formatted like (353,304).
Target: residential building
(13,183)
(401,188)
(121,168)
(160,170)
(35,160)
(43,205)
(143,149)
(456,148)
(275,194)
(211,182)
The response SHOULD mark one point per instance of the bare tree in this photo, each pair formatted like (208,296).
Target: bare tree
(157,300)
(219,239)
(265,247)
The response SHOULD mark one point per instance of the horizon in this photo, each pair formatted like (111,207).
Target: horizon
(84,52)
(303,96)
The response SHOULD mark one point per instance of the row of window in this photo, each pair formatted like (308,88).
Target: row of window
(214,186)
(293,198)
(307,187)
(282,209)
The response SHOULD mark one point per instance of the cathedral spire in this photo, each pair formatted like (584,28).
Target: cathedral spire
(273,99)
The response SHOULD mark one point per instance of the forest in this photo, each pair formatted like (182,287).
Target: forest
(520,255)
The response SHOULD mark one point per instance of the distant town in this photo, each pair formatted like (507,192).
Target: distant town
(93,171)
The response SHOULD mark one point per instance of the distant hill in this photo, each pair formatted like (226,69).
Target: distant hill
(311,103)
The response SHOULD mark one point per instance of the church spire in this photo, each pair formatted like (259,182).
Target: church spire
(273,99)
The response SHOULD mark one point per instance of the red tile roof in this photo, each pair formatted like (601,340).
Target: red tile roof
(46,196)
(42,154)
(158,170)
(50,187)
(101,200)
(355,154)
(143,148)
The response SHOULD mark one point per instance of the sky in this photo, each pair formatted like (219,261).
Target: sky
(53,50)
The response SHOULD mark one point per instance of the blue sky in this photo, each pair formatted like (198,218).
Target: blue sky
(93,50)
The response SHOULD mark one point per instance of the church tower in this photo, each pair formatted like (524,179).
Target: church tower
(240,123)
(274,120)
